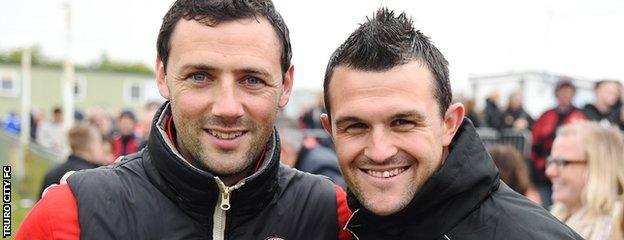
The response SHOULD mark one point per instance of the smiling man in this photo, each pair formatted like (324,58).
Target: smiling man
(415,168)
(211,168)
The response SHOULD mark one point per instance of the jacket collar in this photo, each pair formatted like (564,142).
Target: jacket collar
(79,160)
(195,190)
(467,177)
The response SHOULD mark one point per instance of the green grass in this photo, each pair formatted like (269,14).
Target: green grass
(22,190)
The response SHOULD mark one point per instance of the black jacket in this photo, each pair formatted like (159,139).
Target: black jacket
(463,200)
(612,117)
(73,163)
(510,116)
(493,115)
(321,161)
(155,194)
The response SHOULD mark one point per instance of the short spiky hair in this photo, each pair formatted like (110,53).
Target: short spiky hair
(386,41)
(212,12)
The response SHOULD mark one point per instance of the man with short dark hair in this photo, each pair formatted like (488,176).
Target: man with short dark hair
(415,167)
(544,130)
(211,167)
(606,108)
(125,140)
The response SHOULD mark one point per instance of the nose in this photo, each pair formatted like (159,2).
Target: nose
(227,104)
(552,171)
(380,146)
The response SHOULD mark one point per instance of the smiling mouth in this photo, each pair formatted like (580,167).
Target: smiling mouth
(386,173)
(225,135)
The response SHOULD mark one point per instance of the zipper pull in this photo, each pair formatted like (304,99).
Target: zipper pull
(225,191)
(225,200)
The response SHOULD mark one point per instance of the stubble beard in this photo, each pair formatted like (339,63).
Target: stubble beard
(368,200)
(190,133)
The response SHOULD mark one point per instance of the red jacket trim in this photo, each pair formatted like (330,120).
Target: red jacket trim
(343,213)
(55,216)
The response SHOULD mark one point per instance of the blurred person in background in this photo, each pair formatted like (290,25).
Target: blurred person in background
(606,107)
(11,123)
(125,141)
(145,123)
(544,130)
(305,154)
(515,117)
(87,151)
(78,115)
(586,167)
(471,112)
(99,117)
(514,171)
(492,112)
(34,124)
(52,135)
(107,148)
(311,119)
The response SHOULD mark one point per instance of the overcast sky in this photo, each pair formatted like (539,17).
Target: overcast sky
(577,38)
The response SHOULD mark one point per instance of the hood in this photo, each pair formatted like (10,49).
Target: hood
(466,178)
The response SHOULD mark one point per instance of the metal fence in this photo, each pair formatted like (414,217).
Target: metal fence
(521,140)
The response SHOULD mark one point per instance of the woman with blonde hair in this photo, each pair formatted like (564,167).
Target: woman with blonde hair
(586,167)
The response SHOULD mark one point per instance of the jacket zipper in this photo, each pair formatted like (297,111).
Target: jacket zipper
(223,204)
(346,227)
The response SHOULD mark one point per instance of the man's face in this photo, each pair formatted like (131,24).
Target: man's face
(565,95)
(101,121)
(226,86)
(515,101)
(58,117)
(568,181)
(126,125)
(388,133)
(608,93)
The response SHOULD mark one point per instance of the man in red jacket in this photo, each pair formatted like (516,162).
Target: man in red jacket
(544,130)
(211,166)
(125,141)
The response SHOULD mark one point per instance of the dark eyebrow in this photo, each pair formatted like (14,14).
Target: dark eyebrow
(253,70)
(197,66)
(412,114)
(416,115)
(346,119)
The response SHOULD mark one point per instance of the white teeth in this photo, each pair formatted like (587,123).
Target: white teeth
(224,135)
(387,173)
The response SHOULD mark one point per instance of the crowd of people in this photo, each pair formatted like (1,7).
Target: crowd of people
(606,109)
(576,160)
(217,159)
